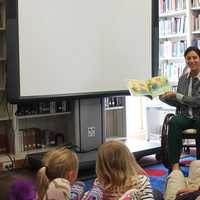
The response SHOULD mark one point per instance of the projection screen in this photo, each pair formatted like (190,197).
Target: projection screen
(77,47)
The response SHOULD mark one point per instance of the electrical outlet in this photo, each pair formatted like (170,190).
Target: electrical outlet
(91,131)
(6,166)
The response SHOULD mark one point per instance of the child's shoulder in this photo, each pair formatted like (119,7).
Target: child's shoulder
(143,179)
(60,182)
(132,194)
(59,188)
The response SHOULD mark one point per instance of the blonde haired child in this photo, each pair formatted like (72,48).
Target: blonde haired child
(59,171)
(118,175)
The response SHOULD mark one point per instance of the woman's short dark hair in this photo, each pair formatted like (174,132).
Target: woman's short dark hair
(192,48)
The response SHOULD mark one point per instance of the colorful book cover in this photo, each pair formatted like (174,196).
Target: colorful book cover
(152,87)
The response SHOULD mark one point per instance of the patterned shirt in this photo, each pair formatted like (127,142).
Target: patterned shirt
(145,192)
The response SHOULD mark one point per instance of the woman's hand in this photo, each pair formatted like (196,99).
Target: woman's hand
(169,94)
(198,198)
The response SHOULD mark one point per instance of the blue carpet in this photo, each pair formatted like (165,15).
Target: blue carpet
(158,182)
(160,173)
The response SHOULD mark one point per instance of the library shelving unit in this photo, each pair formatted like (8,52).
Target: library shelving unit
(2,45)
(41,126)
(174,37)
(179,27)
(5,109)
(195,22)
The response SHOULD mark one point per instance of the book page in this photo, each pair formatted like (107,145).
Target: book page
(138,88)
(152,87)
(158,85)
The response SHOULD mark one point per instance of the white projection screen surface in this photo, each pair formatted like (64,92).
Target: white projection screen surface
(82,47)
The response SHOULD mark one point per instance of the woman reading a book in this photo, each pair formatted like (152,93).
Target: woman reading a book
(187,102)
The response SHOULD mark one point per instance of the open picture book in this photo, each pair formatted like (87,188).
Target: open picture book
(152,87)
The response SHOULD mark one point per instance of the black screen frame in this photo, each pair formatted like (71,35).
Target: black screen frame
(13,75)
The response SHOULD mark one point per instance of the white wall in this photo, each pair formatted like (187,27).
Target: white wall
(136,119)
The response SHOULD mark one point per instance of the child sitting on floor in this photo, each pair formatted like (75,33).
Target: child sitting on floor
(59,171)
(180,187)
(118,175)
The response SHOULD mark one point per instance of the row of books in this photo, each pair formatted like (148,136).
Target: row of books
(42,107)
(196,43)
(196,22)
(171,5)
(174,25)
(35,138)
(169,49)
(172,71)
(195,3)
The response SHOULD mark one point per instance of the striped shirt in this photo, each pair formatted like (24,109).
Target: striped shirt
(144,191)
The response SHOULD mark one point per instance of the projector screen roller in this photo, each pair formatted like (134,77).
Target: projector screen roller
(77,47)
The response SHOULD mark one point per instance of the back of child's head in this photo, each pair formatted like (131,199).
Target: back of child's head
(115,164)
(22,190)
(56,164)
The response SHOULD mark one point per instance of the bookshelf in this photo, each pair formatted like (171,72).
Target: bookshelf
(5,108)
(179,27)
(39,126)
(2,45)
(41,115)
(174,37)
(53,123)
(195,22)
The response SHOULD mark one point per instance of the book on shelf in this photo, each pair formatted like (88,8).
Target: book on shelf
(36,138)
(150,88)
